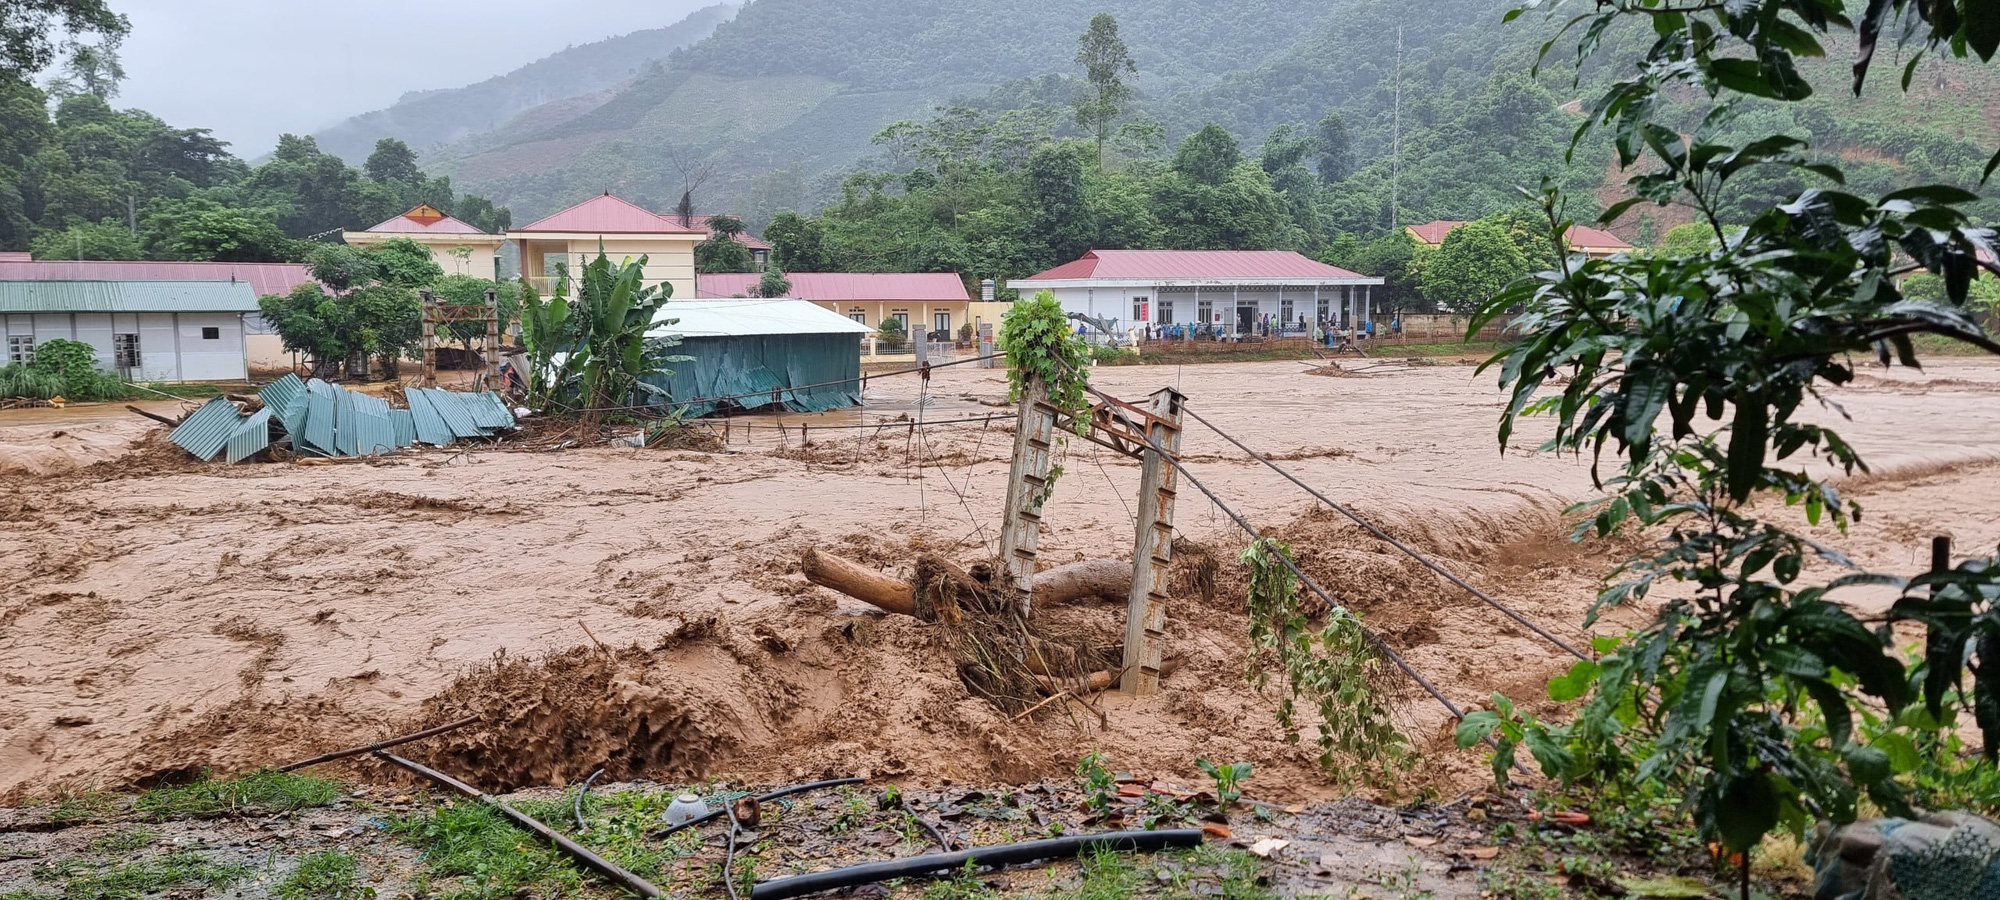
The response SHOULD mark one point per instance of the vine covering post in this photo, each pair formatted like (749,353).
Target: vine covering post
(1152,549)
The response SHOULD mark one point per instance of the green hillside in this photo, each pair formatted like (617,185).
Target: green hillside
(785,98)
(432,118)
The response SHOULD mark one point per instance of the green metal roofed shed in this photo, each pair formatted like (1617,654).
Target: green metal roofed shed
(751,354)
(141,330)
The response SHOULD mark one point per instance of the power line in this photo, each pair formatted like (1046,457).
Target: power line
(1386,538)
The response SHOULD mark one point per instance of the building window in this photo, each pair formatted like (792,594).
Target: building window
(942,322)
(21,349)
(1141,310)
(1206,311)
(1325,308)
(211,334)
(859,316)
(1166,312)
(1285,311)
(125,351)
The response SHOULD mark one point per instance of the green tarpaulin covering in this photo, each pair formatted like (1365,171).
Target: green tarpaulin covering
(809,372)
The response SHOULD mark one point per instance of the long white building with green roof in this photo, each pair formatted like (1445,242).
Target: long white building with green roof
(141,330)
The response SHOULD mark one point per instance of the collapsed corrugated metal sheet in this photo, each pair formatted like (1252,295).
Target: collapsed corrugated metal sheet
(328,420)
(206,430)
(251,437)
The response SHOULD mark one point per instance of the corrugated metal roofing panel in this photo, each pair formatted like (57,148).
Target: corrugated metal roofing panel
(264,278)
(206,430)
(373,433)
(286,398)
(742,318)
(346,438)
(320,419)
(251,438)
(451,408)
(431,427)
(845,287)
(487,411)
(126,296)
(405,426)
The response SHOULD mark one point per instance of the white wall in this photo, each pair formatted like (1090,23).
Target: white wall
(1116,303)
(172,346)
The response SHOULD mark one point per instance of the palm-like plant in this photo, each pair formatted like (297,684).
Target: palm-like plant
(588,355)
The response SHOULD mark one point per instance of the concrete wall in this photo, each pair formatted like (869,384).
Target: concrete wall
(669,258)
(172,346)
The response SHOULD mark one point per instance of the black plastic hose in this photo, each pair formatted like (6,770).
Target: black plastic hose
(1002,855)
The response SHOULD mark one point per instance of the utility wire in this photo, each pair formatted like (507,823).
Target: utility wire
(1308,581)
(1384,536)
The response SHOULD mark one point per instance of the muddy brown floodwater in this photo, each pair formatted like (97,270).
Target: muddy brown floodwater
(642,610)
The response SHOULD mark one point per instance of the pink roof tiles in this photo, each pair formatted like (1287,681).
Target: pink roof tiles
(264,278)
(844,287)
(605,214)
(424,219)
(1251,264)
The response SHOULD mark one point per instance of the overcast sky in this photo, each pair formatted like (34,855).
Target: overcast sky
(254,69)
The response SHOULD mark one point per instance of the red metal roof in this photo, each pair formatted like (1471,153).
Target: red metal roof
(1579,237)
(1127,264)
(701,221)
(844,287)
(1582,237)
(412,223)
(264,278)
(1434,232)
(605,214)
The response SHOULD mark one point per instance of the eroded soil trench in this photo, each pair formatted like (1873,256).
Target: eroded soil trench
(643,611)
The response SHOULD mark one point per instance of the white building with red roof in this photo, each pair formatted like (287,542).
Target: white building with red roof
(1237,291)
(624,230)
(458,247)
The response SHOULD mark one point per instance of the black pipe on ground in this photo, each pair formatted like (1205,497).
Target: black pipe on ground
(1002,855)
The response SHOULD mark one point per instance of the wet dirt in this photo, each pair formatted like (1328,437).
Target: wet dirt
(642,609)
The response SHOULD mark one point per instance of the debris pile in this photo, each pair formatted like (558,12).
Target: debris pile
(317,419)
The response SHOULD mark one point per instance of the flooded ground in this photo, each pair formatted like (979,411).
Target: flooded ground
(160,616)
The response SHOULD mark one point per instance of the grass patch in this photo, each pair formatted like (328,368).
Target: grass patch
(330,875)
(74,806)
(481,855)
(87,880)
(266,790)
(1201,872)
(123,841)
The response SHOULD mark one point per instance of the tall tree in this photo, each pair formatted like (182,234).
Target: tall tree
(1106,62)
(722,252)
(1208,155)
(1058,214)
(798,244)
(91,69)
(393,162)
(1477,260)
(28,29)
(1334,149)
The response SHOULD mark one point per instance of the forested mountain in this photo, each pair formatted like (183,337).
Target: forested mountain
(576,78)
(785,99)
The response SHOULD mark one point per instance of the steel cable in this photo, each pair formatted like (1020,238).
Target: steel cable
(1391,541)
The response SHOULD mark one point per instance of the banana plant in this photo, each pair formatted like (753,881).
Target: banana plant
(587,355)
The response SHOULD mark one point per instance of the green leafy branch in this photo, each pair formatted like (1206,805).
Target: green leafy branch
(1333,667)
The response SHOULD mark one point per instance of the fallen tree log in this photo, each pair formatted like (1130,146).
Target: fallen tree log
(170,423)
(944,581)
(858,581)
(1095,682)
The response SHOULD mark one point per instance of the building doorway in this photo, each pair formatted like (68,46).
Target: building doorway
(1246,319)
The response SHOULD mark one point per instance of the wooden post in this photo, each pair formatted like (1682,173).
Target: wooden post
(493,382)
(430,339)
(1153,550)
(1021,526)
